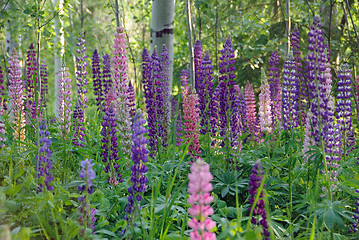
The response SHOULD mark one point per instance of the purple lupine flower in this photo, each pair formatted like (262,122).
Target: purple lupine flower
(344,109)
(31,80)
(78,126)
(275,87)
(44,84)
(110,146)
(2,135)
(265,104)
(184,78)
(290,95)
(43,157)
(197,65)
(208,104)
(228,101)
(302,83)
(81,73)
(87,214)
(106,76)
(255,181)
(2,93)
(355,226)
(242,113)
(120,86)
(65,102)
(131,99)
(139,169)
(178,121)
(16,94)
(97,79)
(315,64)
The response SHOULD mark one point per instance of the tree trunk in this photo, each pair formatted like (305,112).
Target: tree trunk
(59,40)
(9,40)
(162,29)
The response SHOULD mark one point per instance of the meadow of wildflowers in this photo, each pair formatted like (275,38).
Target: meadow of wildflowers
(126,160)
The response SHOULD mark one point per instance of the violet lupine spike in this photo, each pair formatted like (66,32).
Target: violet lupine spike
(191,117)
(43,158)
(44,84)
(164,64)
(265,104)
(138,169)
(110,146)
(120,85)
(131,99)
(106,76)
(228,101)
(302,83)
(207,98)
(16,94)
(2,93)
(275,87)
(78,127)
(31,79)
(65,103)
(344,109)
(290,95)
(81,73)
(251,107)
(259,210)
(197,64)
(97,79)
(87,214)
(178,121)
(315,64)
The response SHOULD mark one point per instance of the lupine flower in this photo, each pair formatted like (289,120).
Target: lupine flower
(184,78)
(228,101)
(290,95)
(131,100)
(259,213)
(139,169)
(355,226)
(2,110)
(344,109)
(200,188)
(197,65)
(43,158)
(44,84)
(316,60)
(208,104)
(2,135)
(179,124)
(250,106)
(265,103)
(191,117)
(302,83)
(2,93)
(81,73)
(31,78)
(242,112)
(106,76)
(87,214)
(164,65)
(16,94)
(120,85)
(97,79)
(275,87)
(78,127)
(110,146)
(65,105)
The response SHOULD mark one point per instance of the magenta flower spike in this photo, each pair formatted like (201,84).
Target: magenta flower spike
(16,94)
(120,85)
(44,85)
(2,111)
(200,188)
(251,107)
(65,102)
(265,104)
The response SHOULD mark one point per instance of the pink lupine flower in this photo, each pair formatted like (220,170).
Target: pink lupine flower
(65,105)
(265,102)
(191,117)
(16,93)
(200,187)
(250,106)
(120,86)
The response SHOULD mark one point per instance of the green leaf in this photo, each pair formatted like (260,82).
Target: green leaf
(107,232)
(224,191)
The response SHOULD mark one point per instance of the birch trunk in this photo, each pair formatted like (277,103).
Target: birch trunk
(9,40)
(162,29)
(59,42)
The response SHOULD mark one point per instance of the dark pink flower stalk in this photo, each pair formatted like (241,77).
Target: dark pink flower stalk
(251,107)
(44,85)
(120,85)
(191,117)
(16,94)
(200,188)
